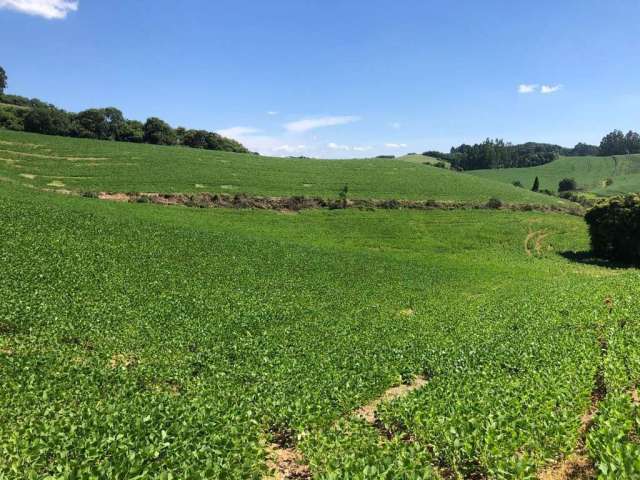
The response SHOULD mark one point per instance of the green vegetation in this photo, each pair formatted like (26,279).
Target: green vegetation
(89,165)
(144,341)
(603,176)
(614,227)
(33,115)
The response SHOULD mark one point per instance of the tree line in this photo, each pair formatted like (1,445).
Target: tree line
(33,115)
(500,154)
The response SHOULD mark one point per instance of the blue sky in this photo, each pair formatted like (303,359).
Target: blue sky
(337,78)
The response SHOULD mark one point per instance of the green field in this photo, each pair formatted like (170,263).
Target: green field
(76,164)
(591,174)
(142,341)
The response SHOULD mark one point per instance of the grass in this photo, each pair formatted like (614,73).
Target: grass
(76,164)
(591,174)
(142,341)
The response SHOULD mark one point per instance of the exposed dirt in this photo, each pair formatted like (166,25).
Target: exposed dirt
(368,412)
(120,360)
(114,197)
(574,467)
(297,203)
(285,463)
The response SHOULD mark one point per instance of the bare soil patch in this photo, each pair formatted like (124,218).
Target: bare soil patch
(369,411)
(285,463)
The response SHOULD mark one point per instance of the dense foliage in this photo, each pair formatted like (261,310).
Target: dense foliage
(567,185)
(617,143)
(33,115)
(3,80)
(614,227)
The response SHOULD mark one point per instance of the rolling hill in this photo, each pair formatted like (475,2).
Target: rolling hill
(591,174)
(91,165)
(144,341)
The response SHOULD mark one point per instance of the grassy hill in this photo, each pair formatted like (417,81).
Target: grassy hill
(78,164)
(591,173)
(142,341)
(422,160)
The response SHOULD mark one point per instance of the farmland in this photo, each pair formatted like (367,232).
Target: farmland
(141,341)
(591,174)
(75,164)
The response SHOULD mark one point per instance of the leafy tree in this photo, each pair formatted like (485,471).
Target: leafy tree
(131,131)
(614,228)
(158,132)
(613,144)
(195,138)
(3,80)
(536,185)
(101,123)
(567,185)
(48,120)
(583,150)
(632,142)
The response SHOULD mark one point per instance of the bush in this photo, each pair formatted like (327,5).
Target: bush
(494,203)
(518,184)
(567,185)
(614,228)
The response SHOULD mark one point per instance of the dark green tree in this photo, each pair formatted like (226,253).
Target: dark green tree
(567,185)
(632,142)
(3,80)
(131,131)
(536,185)
(613,144)
(158,132)
(48,120)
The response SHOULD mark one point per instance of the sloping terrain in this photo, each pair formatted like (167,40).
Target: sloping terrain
(90,165)
(591,174)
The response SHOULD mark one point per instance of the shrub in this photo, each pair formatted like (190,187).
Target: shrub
(494,203)
(614,228)
(567,185)
(608,182)
(518,184)
(536,185)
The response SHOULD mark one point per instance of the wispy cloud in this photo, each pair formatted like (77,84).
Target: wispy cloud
(550,88)
(272,112)
(49,9)
(347,148)
(289,148)
(237,132)
(395,145)
(307,124)
(527,87)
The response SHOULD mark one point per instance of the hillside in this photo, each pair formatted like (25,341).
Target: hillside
(91,165)
(187,343)
(591,173)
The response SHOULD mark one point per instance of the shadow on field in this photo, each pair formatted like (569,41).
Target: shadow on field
(588,258)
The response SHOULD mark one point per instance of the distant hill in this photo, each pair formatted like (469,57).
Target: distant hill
(94,165)
(591,173)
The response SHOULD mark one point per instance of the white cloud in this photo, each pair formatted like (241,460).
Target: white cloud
(335,146)
(395,125)
(307,124)
(395,145)
(237,132)
(272,112)
(527,87)
(289,148)
(347,148)
(550,88)
(49,9)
